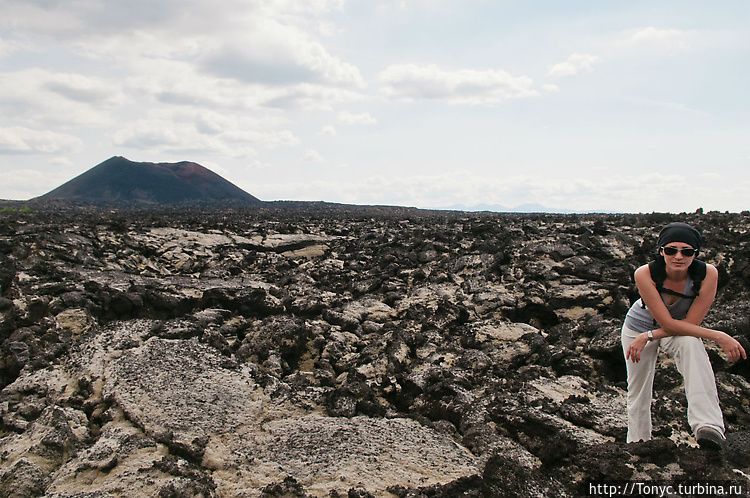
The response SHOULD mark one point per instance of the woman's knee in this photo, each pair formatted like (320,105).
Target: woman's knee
(686,343)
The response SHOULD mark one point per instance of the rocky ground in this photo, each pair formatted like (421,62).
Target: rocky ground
(319,350)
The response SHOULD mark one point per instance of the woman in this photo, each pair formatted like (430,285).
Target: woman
(668,317)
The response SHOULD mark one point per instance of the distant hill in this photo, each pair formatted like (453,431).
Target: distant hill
(120,182)
(496,208)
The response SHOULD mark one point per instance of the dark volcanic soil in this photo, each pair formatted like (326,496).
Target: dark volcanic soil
(356,335)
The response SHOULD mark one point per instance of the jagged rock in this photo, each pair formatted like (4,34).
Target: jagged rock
(24,479)
(77,321)
(339,351)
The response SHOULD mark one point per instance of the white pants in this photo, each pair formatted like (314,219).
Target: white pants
(692,362)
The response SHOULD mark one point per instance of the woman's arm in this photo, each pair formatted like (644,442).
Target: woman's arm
(698,309)
(690,326)
(697,312)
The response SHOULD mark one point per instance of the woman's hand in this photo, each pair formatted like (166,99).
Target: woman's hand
(731,347)
(634,350)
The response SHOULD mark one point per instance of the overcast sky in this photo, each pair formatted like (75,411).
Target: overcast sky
(635,106)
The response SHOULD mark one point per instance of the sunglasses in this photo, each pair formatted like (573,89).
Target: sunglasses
(686,251)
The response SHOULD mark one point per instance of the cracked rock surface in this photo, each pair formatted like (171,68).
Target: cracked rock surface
(315,351)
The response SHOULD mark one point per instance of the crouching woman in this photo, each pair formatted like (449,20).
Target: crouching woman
(676,292)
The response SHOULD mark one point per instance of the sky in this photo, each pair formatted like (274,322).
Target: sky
(582,105)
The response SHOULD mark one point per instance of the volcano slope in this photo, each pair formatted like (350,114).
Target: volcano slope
(318,350)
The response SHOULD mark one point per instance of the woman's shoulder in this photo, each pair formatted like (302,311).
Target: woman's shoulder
(643,269)
(703,269)
(711,270)
(642,272)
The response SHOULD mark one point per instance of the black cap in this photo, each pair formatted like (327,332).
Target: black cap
(680,232)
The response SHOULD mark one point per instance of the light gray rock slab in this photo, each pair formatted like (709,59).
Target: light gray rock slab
(174,395)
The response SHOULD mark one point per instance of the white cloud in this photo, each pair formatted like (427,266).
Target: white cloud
(328,131)
(37,96)
(39,18)
(267,131)
(203,131)
(603,192)
(268,139)
(173,82)
(309,97)
(19,183)
(210,123)
(10,46)
(313,156)
(151,134)
(179,83)
(309,7)
(364,118)
(18,140)
(155,135)
(668,106)
(241,82)
(268,42)
(66,20)
(660,37)
(274,54)
(85,89)
(573,65)
(465,86)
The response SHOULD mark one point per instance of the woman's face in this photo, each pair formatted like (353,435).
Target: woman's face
(677,261)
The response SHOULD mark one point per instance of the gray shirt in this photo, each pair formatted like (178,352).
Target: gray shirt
(640,319)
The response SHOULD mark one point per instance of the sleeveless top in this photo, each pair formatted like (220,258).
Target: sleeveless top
(639,318)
